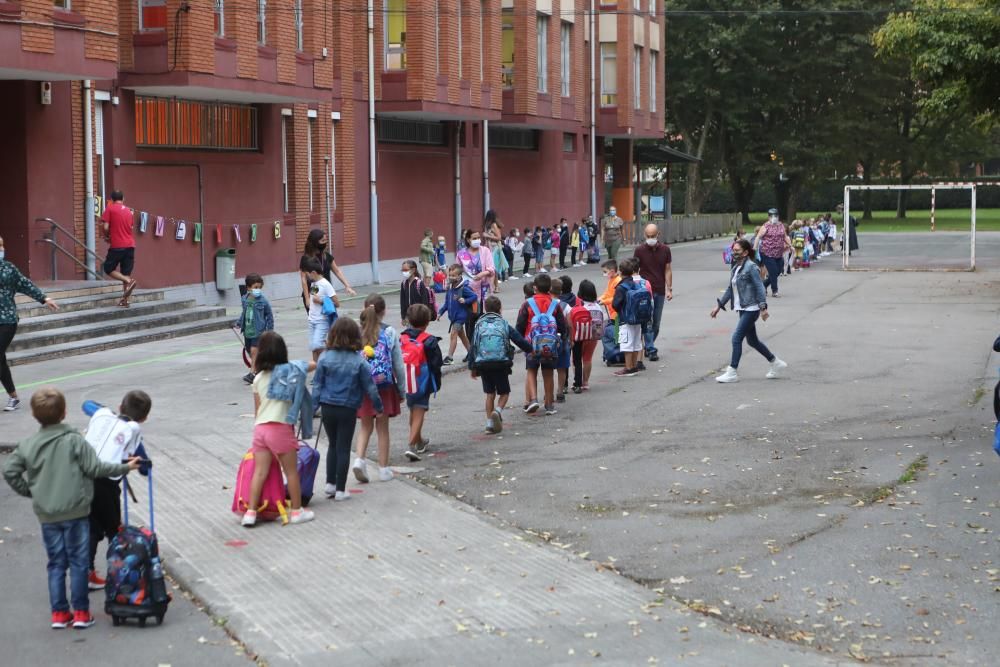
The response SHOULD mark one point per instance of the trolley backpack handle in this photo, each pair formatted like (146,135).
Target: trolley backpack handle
(125,492)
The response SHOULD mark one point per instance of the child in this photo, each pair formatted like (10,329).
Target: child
(492,358)
(584,241)
(543,247)
(439,253)
(798,243)
(422,358)
(552,247)
(56,468)
(319,322)
(343,377)
(512,250)
(457,303)
(427,256)
(255,317)
(527,252)
(529,291)
(540,320)
(386,360)
(629,335)
(565,345)
(574,244)
(413,290)
(113,438)
(564,238)
(610,269)
(583,345)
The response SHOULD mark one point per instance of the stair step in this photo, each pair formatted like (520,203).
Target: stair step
(70,290)
(82,332)
(60,319)
(129,337)
(86,302)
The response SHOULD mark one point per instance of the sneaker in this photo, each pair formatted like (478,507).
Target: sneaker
(465,359)
(585,387)
(577,390)
(421,447)
(496,422)
(728,376)
(532,407)
(249,519)
(488,429)
(543,270)
(301,516)
(550,410)
(512,278)
(776,367)
(640,366)
(447,361)
(94,581)
(653,357)
(361,470)
(248,378)
(341,495)
(411,454)
(526,275)
(626,372)
(61,619)
(330,490)
(560,397)
(82,620)
(384,475)
(13,404)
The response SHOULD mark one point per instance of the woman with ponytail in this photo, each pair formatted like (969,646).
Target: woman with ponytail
(381,348)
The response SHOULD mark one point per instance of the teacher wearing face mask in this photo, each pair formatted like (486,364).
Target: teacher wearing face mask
(654,266)
(316,244)
(477,265)
(12,282)
(772,242)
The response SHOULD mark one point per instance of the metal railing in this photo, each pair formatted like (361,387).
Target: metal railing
(52,239)
(684,227)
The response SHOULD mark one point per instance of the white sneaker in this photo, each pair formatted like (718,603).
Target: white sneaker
(776,367)
(526,275)
(384,475)
(249,519)
(302,516)
(342,495)
(728,376)
(361,470)
(512,278)
(330,490)
(543,270)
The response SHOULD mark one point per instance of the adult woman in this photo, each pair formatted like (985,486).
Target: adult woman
(772,242)
(749,298)
(477,263)
(493,235)
(12,282)
(315,248)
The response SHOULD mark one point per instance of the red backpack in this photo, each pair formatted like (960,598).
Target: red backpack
(581,323)
(418,375)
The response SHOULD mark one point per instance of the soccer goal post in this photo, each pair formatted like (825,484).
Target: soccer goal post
(933,187)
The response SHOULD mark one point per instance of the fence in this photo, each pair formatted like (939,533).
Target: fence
(684,227)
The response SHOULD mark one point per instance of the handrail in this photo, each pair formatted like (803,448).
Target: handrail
(55,246)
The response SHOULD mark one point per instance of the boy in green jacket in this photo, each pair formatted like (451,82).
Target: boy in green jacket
(56,468)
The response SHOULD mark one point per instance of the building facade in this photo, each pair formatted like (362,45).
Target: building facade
(247,124)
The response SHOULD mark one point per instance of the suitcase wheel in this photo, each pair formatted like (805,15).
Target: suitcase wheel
(159,619)
(142,621)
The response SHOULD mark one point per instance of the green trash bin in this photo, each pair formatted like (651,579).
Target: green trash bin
(225,268)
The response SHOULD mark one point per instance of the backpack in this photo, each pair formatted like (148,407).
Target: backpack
(597,319)
(543,333)
(581,323)
(727,255)
(419,379)
(273,504)
(381,363)
(431,299)
(638,304)
(491,342)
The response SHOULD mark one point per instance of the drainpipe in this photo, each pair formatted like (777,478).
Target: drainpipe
(90,236)
(373,192)
(593,114)
(329,216)
(201,196)
(486,170)
(458,183)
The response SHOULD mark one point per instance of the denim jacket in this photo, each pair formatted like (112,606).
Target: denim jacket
(263,318)
(749,285)
(343,378)
(288,383)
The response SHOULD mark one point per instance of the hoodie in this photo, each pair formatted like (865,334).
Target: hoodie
(56,468)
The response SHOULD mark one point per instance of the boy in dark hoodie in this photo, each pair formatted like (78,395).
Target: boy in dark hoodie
(56,468)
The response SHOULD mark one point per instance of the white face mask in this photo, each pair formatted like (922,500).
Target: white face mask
(406,274)
(516,234)
(2,254)
(476,243)
(651,242)
(774,218)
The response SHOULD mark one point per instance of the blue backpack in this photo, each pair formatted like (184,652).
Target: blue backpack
(638,304)
(381,363)
(491,342)
(543,332)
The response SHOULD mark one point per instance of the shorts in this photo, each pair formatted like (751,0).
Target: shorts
(120,257)
(390,403)
(496,382)
(564,360)
(532,363)
(630,337)
(428,269)
(422,400)
(554,252)
(317,334)
(274,437)
(455,326)
(249,343)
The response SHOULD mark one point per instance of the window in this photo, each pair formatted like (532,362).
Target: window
(152,15)
(565,36)
(637,77)
(395,34)
(609,74)
(284,159)
(637,5)
(569,142)
(507,47)
(220,18)
(309,159)
(262,21)
(172,123)
(513,138)
(652,8)
(654,58)
(393,131)
(299,33)
(542,30)
(61,4)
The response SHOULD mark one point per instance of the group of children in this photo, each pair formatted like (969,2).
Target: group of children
(544,245)
(811,240)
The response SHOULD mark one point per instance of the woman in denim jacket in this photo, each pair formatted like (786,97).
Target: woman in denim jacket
(749,300)
(342,380)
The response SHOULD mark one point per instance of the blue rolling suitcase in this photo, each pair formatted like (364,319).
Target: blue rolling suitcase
(612,355)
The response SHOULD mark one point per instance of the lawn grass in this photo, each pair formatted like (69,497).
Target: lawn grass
(947,220)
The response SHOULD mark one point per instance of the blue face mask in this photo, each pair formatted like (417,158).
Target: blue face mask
(2,255)
(256,292)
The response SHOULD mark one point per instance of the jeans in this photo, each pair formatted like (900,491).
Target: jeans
(339,423)
(527,263)
(67,544)
(7,332)
(774,266)
(747,328)
(652,329)
(562,256)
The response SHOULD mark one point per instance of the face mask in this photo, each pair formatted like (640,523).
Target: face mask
(406,274)
(256,292)
(476,243)
(516,234)
(606,275)
(651,242)
(2,254)
(613,212)
(774,218)
(321,246)
(441,243)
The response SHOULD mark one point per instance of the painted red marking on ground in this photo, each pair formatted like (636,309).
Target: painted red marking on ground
(355,490)
(438,455)
(236,543)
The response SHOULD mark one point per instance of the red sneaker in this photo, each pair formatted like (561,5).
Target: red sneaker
(82,620)
(61,619)
(94,581)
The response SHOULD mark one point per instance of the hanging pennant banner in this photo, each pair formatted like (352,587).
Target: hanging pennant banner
(143,222)
(196,234)
(236,233)
(253,233)
(218,234)
(277,229)
(160,224)
(98,208)
(181,232)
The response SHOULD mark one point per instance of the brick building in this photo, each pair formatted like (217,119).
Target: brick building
(248,121)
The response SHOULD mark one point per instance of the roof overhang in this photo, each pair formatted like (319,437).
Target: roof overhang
(208,87)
